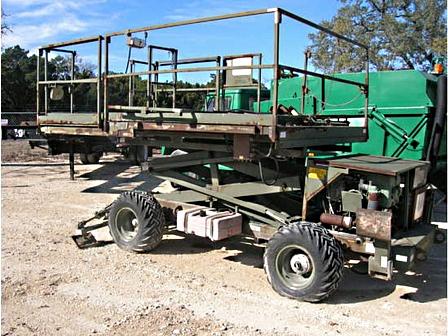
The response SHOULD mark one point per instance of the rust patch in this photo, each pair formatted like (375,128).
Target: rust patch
(374,224)
(241,147)
(200,128)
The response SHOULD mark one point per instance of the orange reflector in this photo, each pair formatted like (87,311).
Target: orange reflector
(438,68)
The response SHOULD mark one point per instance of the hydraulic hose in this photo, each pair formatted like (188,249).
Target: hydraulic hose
(439,122)
(277,174)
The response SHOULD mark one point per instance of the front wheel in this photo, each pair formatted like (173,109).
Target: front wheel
(304,261)
(136,221)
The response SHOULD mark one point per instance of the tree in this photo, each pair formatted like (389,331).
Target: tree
(19,81)
(19,85)
(401,34)
(84,94)
(5,27)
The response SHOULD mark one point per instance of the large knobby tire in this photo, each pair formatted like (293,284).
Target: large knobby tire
(136,222)
(304,261)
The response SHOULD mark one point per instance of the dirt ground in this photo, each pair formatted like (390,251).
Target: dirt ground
(187,286)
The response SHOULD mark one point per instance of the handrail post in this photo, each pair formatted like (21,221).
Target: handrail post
(148,83)
(46,85)
(221,88)
(277,21)
(307,55)
(156,87)
(98,83)
(217,85)
(260,60)
(106,91)
(39,55)
(130,93)
(72,75)
(366,94)
(174,59)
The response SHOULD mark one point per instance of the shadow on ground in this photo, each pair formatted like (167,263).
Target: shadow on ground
(247,252)
(426,283)
(119,176)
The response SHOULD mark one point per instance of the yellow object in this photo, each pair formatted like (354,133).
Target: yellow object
(317,173)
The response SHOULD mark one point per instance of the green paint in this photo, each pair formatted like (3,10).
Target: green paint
(400,103)
(238,99)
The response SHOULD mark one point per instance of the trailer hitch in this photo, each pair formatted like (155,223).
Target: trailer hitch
(83,237)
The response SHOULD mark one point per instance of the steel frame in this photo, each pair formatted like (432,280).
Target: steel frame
(228,194)
(104,110)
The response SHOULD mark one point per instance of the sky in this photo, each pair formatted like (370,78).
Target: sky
(38,22)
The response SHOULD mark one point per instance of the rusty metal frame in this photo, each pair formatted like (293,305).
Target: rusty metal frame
(45,83)
(278,13)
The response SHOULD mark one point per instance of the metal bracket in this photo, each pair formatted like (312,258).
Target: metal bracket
(84,237)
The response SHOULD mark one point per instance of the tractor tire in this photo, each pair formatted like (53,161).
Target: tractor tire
(83,158)
(304,261)
(136,221)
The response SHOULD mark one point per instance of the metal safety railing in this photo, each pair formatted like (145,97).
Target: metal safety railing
(222,65)
(45,51)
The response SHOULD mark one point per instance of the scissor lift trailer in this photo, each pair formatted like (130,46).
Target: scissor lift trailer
(239,172)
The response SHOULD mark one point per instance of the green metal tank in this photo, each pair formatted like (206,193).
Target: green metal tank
(401,108)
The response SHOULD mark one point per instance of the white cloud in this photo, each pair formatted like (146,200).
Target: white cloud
(196,9)
(26,3)
(28,35)
(46,10)
(37,22)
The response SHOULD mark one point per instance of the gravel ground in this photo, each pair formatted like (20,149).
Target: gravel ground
(187,286)
(20,151)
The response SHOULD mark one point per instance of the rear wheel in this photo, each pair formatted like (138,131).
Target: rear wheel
(138,154)
(136,222)
(94,158)
(304,261)
(90,158)
(83,158)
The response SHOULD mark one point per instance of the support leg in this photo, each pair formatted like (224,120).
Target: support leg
(214,174)
(72,163)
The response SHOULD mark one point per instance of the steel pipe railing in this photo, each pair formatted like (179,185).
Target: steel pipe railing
(155,70)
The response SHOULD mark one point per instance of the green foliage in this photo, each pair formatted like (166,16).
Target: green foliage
(19,85)
(118,93)
(401,34)
(18,80)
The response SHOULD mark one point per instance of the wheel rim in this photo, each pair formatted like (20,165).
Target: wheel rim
(295,267)
(127,223)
